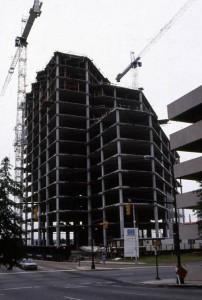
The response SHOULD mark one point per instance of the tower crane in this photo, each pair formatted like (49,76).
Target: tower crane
(20,57)
(136,62)
(21,42)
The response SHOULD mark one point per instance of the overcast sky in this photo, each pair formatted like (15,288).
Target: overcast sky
(106,31)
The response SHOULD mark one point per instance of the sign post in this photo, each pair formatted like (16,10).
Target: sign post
(156,244)
(131,242)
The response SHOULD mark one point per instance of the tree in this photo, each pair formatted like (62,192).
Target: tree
(199,209)
(11,245)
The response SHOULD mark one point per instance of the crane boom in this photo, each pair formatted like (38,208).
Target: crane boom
(34,12)
(11,70)
(167,26)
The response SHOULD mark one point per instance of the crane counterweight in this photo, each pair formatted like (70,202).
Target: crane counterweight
(37,7)
(134,64)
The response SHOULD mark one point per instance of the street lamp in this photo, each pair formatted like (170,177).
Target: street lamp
(176,231)
(90,232)
(151,158)
(154,187)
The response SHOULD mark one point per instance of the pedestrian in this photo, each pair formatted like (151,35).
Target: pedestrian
(103,258)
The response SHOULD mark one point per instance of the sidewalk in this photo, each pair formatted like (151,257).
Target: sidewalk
(193,278)
(172,282)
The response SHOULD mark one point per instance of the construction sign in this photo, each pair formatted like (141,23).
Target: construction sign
(131,242)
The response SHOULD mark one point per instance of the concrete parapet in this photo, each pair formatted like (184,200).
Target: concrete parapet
(187,108)
(188,232)
(187,200)
(188,139)
(191,169)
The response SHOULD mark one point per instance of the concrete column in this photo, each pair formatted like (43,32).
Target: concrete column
(39,187)
(47,180)
(32,188)
(153,178)
(57,155)
(88,153)
(121,200)
(103,184)
(165,227)
(140,99)
(33,235)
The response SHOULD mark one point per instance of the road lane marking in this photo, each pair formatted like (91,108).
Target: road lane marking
(132,293)
(72,298)
(47,271)
(23,288)
(75,287)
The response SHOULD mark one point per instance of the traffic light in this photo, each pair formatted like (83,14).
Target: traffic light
(128,209)
(156,243)
(105,224)
(35,213)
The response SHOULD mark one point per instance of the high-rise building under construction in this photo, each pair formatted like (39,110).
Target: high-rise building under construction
(96,159)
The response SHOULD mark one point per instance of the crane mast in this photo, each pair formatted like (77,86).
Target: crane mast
(21,44)
(20,58)
(136,62)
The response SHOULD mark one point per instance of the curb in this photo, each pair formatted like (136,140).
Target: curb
(170,285)
(160,283)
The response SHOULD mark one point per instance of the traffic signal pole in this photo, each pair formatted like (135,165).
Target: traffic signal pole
(134,220)
(92,250)
(105,226)
(157,266)
(156,244)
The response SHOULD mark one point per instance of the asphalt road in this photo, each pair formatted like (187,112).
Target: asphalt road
(63,281)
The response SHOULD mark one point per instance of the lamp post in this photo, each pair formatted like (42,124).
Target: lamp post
(176,231)
(90,232)
(155,245)
(154,187)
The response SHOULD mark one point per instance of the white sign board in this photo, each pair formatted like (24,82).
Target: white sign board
(131,242)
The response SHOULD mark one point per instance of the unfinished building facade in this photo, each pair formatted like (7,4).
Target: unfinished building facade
(92,148)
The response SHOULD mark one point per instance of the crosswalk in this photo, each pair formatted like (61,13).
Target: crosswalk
(94,283)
